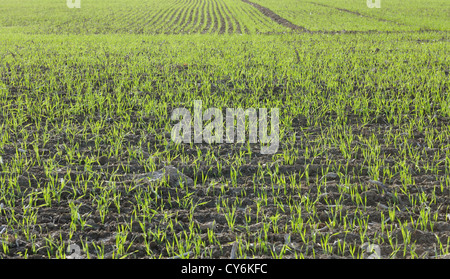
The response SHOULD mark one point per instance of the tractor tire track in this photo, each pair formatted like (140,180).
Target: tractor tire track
(257,18)
(356,13)
(253,16)
(278,19)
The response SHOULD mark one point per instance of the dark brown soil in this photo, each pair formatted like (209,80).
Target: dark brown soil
(54,222)
(278,19)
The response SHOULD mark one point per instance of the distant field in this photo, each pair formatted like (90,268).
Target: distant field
(351,15)
(220,16)
(89,166)
(138,17)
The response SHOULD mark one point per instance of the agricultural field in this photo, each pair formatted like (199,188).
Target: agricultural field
(139,17)
(354,15)
(89,164)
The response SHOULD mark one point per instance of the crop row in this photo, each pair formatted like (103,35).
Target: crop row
(138,17)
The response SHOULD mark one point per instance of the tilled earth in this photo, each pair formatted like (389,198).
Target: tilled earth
(139,201)
(152,200)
